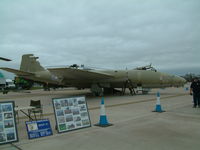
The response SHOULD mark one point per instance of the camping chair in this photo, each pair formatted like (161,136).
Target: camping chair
(37,109)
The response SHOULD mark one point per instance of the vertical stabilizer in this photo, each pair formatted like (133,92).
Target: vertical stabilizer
(29,63)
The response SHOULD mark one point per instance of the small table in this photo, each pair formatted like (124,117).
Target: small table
(22,109)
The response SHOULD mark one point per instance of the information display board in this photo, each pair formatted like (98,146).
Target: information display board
(8,129)
(38,128)
(71,113)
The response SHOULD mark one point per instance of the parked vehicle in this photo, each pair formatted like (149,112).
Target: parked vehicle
(10,84)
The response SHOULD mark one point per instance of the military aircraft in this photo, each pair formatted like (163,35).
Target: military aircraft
(5,59)
(99,81)
(3,87)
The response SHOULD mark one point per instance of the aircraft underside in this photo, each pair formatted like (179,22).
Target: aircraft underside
(101,88)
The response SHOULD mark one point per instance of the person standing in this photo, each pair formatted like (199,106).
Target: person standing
(195,91)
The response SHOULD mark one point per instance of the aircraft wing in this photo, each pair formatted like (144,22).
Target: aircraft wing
(5,59)
(17,72)
(79,74)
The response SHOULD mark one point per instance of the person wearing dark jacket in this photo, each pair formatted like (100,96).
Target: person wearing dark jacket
(195,91)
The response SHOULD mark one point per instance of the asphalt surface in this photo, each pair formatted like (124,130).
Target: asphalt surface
(135,125)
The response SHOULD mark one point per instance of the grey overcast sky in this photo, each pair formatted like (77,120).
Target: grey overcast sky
(102,33)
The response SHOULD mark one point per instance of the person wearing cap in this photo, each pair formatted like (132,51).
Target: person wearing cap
(195,91)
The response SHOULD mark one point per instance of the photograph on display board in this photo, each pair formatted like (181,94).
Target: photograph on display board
(62,127)
(71,113)
(81,101)
(69,118)
(83,108)
(71,126)
(8,115)
(60,113)
(8,123)
(62,103)
(77,118)
(2,137)
(86,122)
(61,120)
(8,129)
(75,102)
(78,124)
(1,127)
(10,134)
(1,117)
(76,111)
(58,105)
(84,114)
(67,110)
(6,107)
(70,102)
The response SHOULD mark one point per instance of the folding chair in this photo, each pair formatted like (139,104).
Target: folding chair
(37,110)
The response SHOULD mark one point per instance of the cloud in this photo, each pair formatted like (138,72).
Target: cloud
(107,34)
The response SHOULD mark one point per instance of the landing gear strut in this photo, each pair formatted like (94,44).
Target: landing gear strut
(128,84)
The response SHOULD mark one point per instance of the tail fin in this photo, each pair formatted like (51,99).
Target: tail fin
(29,63)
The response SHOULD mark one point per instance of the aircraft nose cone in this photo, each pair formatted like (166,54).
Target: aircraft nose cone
(180,81)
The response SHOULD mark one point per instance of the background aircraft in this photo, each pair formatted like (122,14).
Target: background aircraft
(4,84)
(5,59)
(99,81)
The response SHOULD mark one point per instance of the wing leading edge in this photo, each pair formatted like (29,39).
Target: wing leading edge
(79,74)
(17,72)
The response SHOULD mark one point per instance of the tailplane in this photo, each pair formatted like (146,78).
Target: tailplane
(29,63)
